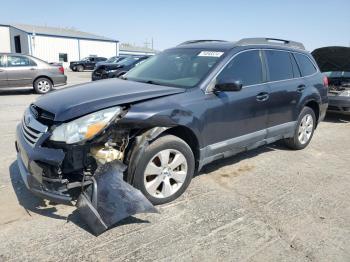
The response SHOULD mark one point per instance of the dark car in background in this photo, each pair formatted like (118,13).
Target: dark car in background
(87,63)
(111,60)
(334,62)
(17,70)
(117,69)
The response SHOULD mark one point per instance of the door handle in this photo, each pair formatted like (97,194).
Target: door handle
(262,97)
(32,68)
(300,88)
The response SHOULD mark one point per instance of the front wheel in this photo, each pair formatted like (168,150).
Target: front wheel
(304,130)
(165,169)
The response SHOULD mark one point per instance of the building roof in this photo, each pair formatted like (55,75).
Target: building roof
(131,48)
(57,31)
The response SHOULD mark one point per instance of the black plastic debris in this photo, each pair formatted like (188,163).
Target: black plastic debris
(110,199)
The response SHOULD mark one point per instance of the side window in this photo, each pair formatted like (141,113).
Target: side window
(279,64)
(245,67)
(16,61)
(306,66)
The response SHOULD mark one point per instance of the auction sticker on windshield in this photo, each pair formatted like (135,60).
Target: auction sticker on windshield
(210,53)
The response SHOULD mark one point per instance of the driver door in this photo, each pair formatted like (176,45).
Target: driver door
(238,119)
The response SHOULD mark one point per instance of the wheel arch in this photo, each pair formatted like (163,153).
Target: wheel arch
(314,105)
(43,76)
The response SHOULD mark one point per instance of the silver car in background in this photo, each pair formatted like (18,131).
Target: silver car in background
(17,70)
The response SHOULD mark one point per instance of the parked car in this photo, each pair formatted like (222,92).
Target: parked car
(168,117)
(113,70)
(17,70)
(334,61)
(111,60)
(87,63)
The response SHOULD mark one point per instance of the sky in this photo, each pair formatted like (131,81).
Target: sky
(314,23)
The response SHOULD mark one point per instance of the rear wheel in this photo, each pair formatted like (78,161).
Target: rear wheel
(42,85)
(165,169)
(304,130)
(80,68)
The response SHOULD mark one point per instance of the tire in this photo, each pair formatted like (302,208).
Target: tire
(42,85)
(303,131)
(80,68)
(158,184)
(74,68)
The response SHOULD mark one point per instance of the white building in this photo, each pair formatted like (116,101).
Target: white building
(53,44)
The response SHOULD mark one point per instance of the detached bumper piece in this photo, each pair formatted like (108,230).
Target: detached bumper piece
(110,199)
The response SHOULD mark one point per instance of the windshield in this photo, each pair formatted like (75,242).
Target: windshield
(176,67)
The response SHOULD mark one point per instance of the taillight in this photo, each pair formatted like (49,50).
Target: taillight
(61,69)
(325,82)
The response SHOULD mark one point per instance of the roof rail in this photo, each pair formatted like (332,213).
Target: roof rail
(200,41)
(270,41)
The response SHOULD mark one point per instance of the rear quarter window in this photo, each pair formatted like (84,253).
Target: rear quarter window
(279,65)
(306,66)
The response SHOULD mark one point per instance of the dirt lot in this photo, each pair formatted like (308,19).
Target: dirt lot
(270,204)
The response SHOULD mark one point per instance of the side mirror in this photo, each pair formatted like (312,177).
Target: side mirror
(228,86)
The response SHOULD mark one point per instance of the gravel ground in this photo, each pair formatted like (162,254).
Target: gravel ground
(269,204)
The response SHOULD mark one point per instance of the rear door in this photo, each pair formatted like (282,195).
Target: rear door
(286,87)
(3,73)
(21,70)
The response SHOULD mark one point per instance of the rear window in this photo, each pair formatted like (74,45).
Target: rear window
(306,66)
(17,61)
(280,65)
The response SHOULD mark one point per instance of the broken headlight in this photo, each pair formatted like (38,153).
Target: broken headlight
(85,127)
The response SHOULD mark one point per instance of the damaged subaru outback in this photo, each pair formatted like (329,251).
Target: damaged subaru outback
(117,146)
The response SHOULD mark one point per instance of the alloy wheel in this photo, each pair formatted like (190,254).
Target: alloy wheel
(165,173)
(306,128)
(44,86)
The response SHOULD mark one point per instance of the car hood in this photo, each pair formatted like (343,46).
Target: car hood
(332,58)
(76,101)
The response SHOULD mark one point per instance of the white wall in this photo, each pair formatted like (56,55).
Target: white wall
(24,40)
(5,43)
(99,48)
(48,48)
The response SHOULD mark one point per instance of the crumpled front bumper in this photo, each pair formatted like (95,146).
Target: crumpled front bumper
(30,160)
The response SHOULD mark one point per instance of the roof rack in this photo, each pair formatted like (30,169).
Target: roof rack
(270,41)
(200,41)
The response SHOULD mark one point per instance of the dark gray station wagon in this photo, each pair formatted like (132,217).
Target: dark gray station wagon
(179,110)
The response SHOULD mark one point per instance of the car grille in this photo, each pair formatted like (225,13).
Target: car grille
(32,129)
(30,135)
